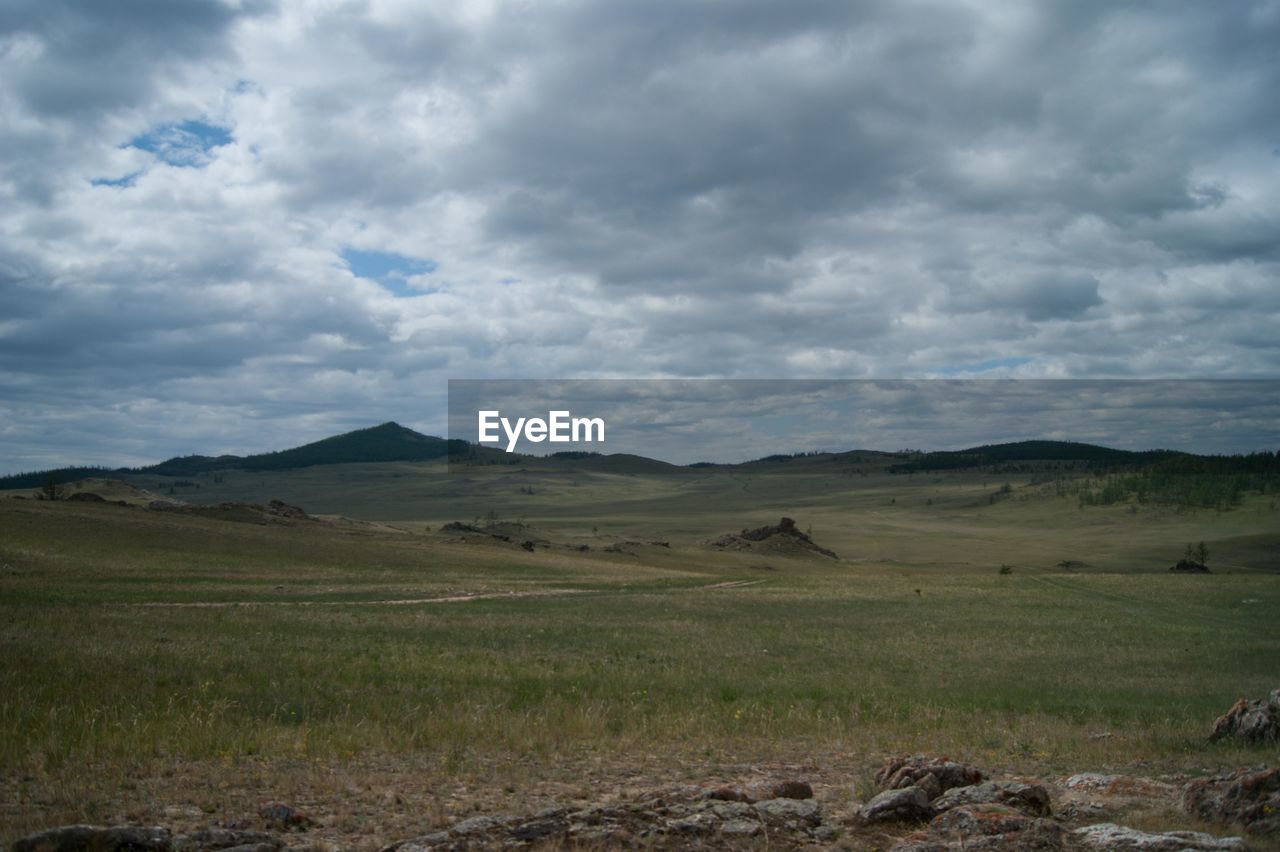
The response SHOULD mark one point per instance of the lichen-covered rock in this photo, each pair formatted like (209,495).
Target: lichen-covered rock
(1253,721)
(1032,799)
(652,823)
(790,813)
(905,804)
(984,826)
(916,770)
(1111,836)
(1248,797)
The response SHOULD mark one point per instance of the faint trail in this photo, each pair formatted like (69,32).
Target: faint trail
(1143,608)
(479,596)
(457,598)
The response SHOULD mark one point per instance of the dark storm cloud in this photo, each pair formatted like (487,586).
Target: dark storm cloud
(818,189)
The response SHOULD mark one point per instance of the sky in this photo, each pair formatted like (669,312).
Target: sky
(241,225)
(733,420)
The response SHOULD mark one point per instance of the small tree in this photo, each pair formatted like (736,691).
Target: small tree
(50,490)
(1197,553)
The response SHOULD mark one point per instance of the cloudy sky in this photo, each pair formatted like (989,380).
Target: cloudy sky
(239,225)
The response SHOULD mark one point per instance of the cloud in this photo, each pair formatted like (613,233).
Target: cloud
(213,206)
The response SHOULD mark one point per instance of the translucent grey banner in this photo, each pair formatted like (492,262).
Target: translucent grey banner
(734,420)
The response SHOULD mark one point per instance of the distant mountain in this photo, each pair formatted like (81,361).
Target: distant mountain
(1033,451)
(385,443)
(391,442)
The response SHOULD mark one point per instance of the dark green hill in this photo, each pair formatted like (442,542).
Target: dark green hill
(1029,452)
(388,442)
(37,478)
(385,443)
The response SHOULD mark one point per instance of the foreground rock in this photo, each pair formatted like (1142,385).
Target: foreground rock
(1246,797)
(124,838)
(1253,721)
(984,826)
(1110,836)
(88,838)
(1030,799)
(934,775)
(905,804)
(945,805)
(654,823)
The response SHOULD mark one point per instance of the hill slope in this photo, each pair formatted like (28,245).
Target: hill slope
(387,442)
(384,443)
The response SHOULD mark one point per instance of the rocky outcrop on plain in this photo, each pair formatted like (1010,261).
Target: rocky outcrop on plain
(783,538)
(1253,721)
(274,512)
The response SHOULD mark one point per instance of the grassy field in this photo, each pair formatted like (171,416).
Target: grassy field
(224,657)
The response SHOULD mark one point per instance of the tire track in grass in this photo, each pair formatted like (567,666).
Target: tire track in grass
(458,598)
(1139,607)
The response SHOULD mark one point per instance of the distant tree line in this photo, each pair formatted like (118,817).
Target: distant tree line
(1208,482)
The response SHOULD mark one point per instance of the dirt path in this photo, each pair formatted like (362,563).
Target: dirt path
(478,596)
(458,598)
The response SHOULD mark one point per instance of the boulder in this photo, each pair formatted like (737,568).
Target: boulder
(1253,721)
(88,838)
(984,826)
(903,804)
(1246,797)
(916,770)
(1031,799)
(1111,836)
(794,814)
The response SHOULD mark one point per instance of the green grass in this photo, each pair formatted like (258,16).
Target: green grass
(914,642)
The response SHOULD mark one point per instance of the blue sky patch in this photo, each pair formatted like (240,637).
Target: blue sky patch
(127,180)
(185,144)
(983,366)
(389,269)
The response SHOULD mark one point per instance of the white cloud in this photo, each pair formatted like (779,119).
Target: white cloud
(673,189)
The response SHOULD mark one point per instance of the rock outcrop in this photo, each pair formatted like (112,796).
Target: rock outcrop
(784,538)
(670,824)
(1104,836)
(1247,797)
(934,775)
(1253,721)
